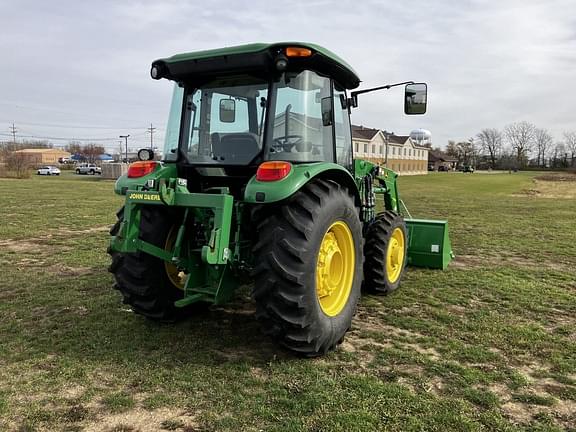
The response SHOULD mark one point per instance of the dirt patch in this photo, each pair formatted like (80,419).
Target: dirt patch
(366,322)
(64,270)
(503,260)
(23,246)
(564,177)
(73,392)
(522,412)
(102,228)
(431,353)
(144,421)
(57,269)
(359,342)
(553,185)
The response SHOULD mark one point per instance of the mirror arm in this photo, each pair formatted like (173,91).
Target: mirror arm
(353,100)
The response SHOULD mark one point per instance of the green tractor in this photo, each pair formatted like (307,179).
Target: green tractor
(258,184)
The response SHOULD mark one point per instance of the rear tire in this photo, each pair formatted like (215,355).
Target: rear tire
(141,278)
(385,257)
(296,262)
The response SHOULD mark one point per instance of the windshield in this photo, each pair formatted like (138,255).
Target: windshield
(224,121)
(301,123)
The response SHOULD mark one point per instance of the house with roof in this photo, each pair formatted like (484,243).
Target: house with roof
(397,152)
(440,161)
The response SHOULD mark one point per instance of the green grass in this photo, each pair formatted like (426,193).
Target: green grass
(489,344)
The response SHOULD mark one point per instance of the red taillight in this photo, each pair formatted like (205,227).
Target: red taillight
(141,168)
(273,171)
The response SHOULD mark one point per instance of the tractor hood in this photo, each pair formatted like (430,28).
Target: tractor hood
(254,58)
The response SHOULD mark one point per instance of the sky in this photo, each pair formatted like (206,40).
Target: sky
(80,69)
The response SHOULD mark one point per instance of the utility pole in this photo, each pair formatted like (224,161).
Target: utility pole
(13,130)
(126,141)
(151,132)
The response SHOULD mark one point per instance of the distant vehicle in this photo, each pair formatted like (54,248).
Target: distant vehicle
(87,168)
(443,168)
(48,170)
(467,169)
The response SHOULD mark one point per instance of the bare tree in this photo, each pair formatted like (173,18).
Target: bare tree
(570,142)
(559,156)
(520,136)
(92,151)
(88,152)
(18,165)
(491,143)
(452,149)
(543,141)
(74,147)
(467,151)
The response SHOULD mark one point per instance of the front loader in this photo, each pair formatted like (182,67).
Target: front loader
(258,184)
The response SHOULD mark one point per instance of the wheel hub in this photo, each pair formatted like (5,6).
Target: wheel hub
(395,255)
(335,268)
(329,266)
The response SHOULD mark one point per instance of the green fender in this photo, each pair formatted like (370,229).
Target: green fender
(259,192)
(162,171)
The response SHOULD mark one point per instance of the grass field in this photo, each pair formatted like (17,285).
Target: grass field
(489,344)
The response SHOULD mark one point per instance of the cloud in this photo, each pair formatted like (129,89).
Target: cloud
(487,63)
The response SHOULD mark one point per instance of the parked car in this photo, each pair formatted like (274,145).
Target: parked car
(48,170)
(443,168)
(87,168)
(467,169)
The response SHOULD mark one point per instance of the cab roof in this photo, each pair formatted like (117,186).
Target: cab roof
(253,57)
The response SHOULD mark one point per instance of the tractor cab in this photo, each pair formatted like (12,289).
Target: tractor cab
(234,109)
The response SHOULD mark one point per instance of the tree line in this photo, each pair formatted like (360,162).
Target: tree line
(518,145)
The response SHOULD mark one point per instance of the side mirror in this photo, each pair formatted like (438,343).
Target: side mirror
(227,110)
(415,98)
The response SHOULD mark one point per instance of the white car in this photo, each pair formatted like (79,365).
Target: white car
(86,168)
(48,170)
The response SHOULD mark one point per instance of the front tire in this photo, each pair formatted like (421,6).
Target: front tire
(385,253)
(147,283)
(309,271)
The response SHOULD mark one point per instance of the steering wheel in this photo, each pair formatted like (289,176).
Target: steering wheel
(286,142)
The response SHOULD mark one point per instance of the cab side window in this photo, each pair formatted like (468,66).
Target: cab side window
(342,129)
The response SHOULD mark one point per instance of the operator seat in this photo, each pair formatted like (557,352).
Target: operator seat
(235,148)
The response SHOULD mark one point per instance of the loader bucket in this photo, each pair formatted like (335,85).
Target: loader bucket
(428,243)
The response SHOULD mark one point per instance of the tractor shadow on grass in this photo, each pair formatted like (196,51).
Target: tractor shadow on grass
(210,336)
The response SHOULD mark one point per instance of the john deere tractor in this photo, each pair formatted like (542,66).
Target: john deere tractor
(258,183)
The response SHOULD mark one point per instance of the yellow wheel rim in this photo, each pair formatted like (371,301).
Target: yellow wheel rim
(395,255)
(335,268)
(177,277)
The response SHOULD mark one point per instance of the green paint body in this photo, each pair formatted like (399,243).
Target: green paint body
(260,192)
(428,243)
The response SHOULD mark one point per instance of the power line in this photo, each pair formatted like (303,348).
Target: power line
(57,138)
(73,126)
